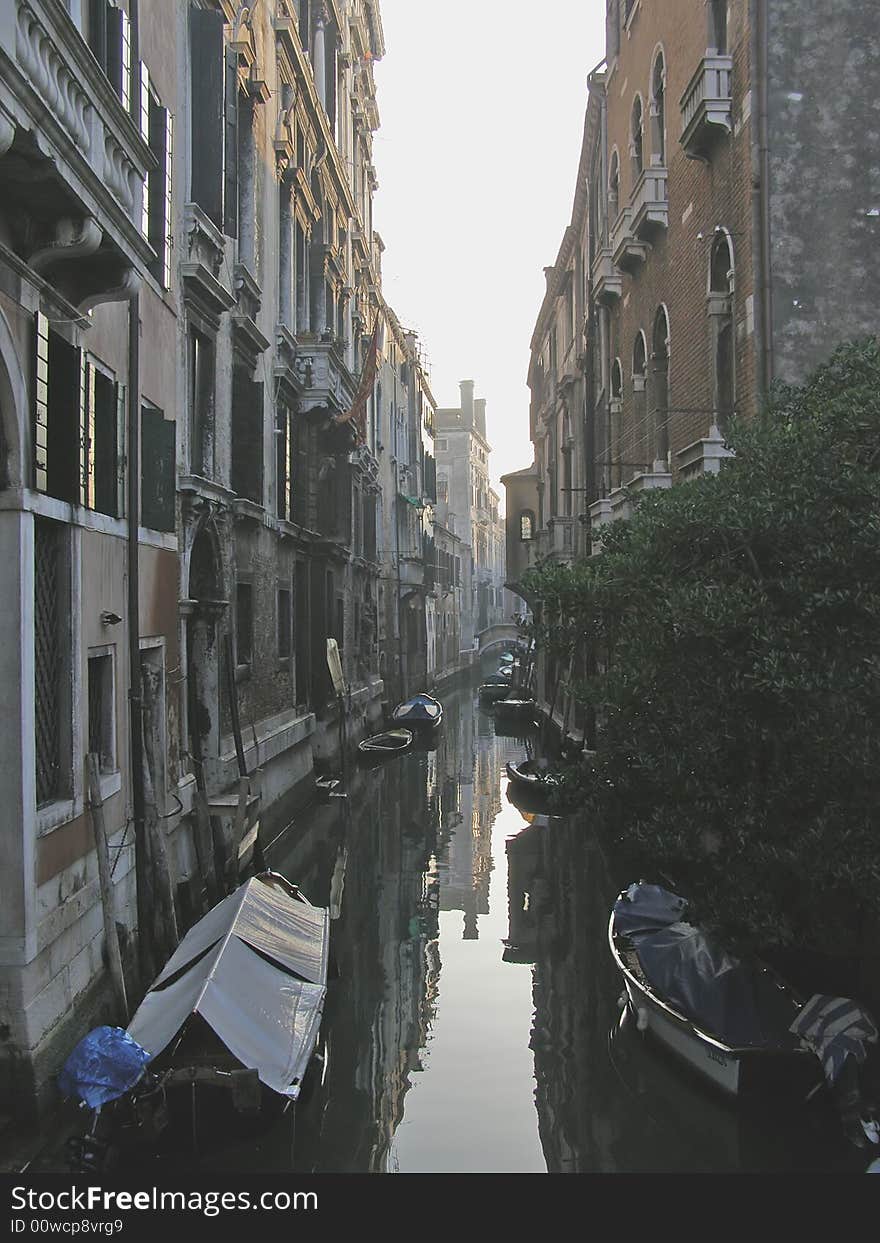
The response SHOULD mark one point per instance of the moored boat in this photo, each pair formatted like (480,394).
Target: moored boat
(533,774)
(381,746)
(515,705)
(420,711)
(491,692)
(728,1019)
(237,1007)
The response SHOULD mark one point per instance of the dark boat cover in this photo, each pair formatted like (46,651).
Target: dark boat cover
(737,1001)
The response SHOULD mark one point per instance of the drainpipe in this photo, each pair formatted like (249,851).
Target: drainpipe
(760,163)
(135,701)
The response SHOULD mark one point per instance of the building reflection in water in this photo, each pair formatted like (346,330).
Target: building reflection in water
(493,1042)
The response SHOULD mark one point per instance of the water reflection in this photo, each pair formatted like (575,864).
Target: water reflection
(473,1023)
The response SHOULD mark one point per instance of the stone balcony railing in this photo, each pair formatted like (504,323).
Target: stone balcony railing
(627,249)
(607,281)
(78,159)
(706,106)
(649,205)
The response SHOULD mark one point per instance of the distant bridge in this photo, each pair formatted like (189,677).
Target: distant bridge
(501,635)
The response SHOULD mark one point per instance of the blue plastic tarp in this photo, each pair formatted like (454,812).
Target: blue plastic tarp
(105,1065)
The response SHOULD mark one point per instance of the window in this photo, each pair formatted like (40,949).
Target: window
(102,724)
(660,386)
(214,78)
(247,436)
(717,15)
(526,525)
(442,491)
(101,457)
(720,307)
(156,131)
(282,463)
(57,433)
(616,380)
(158,465)
(77,429)
(658,112)
(201,403)
(109,38)
(614,188)
(636,145)
(52,742)
(244,623)
(284,623)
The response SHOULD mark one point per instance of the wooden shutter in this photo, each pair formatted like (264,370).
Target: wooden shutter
(206,57)
(247,436)
(41,403)
(118,62)
(157,470)
(230,144)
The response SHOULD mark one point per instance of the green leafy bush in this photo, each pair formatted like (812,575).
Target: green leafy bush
(735,624)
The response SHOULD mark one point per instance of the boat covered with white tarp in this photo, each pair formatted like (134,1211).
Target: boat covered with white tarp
(255,970)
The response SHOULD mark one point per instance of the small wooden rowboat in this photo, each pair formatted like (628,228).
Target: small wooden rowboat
(381,746)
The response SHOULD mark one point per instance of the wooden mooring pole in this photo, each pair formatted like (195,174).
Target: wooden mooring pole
(111,935)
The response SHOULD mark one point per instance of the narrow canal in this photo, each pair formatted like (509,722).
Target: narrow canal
(473,1024)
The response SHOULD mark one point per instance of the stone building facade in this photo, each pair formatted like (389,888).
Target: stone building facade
(194,426)
(468,507)
(407,555)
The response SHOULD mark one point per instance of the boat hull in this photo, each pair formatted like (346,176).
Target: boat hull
(737,1072)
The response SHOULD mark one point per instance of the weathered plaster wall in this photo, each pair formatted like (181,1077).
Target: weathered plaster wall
(824,135)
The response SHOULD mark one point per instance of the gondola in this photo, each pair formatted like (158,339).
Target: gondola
(728,1019)
(234,1014)
(380,747)
(419,712)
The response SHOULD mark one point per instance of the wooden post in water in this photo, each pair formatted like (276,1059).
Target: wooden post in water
(96,804)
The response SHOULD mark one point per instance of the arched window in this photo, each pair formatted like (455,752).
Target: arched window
(526,525)
(635,139)
(616,380)
(613,188)
(660,388)
(658,112)
(634,446)
(615,411)
(720,308)
(716,11)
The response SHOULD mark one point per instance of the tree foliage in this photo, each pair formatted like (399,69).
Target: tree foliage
(735,620)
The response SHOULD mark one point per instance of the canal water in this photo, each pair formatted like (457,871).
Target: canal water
(472,1024)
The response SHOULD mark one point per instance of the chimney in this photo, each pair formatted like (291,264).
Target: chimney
(467,402)
(480,416)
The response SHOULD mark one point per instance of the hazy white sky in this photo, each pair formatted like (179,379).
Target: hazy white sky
(482,107)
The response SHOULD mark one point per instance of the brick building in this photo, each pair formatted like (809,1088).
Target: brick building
(723,236)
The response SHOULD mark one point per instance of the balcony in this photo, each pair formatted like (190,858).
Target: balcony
(628,251)
(607,281)
(72,160)
(706,106)
(649,205)
(703,457)
(328,386)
